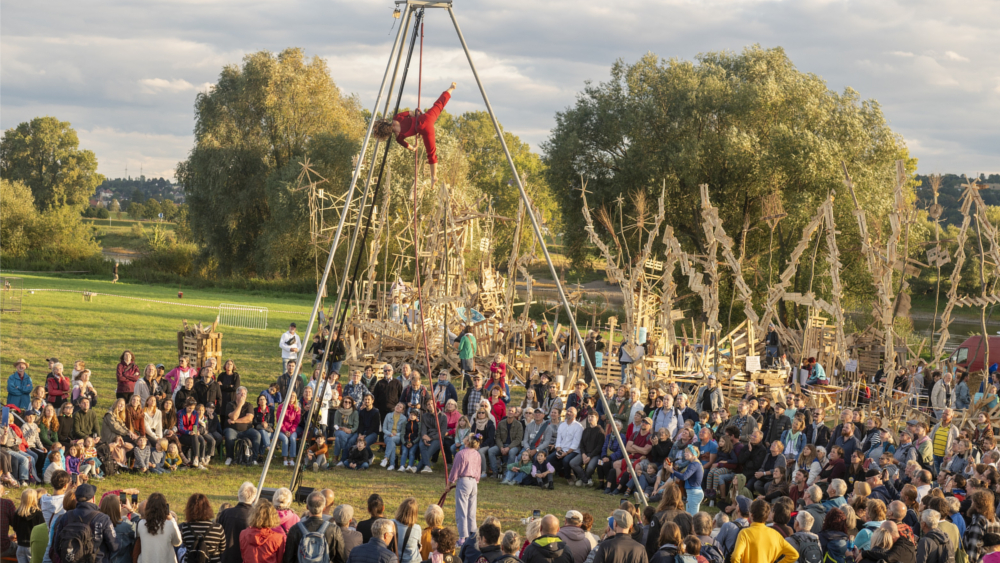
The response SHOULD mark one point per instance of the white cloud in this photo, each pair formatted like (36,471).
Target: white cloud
(901,53)
(153,85)
(952,55)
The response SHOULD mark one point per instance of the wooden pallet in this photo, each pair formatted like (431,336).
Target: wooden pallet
(200,348)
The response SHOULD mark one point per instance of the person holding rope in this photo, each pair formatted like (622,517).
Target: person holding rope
(405,125)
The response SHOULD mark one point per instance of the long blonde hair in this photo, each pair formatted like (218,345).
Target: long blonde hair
(29,503)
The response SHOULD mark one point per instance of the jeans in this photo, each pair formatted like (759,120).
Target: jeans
(483,451)
(390,449)
(370,438)
(695,496)
(288,442)
(265,437)
(343,444)
(426,451)
(20,466)
(409,456)
(23,554)
(583,473)
(33,469)
(938,459)
(362,466)
(494,452)
(232,435)
(514,476)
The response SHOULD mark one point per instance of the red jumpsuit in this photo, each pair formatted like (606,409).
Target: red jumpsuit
(422,125)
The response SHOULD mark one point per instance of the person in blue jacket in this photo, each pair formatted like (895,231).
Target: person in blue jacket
(19,386)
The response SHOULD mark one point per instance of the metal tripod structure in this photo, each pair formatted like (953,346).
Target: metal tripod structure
(410,8)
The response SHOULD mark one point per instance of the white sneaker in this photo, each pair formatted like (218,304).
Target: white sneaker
(341,464)
(402,468)
(391,468)
(427,469)
(412,469)
(203,467)
(229,461)
(385,462)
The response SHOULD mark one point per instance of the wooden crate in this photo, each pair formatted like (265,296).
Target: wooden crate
(200,348)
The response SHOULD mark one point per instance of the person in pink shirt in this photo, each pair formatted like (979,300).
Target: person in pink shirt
(180,373)
(287,435)
(464,476)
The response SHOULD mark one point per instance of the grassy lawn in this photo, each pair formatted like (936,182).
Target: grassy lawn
(61,324)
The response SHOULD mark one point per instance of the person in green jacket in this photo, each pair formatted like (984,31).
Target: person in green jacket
(85,421)
(467,351)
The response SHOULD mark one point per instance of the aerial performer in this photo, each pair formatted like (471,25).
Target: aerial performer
(405,125)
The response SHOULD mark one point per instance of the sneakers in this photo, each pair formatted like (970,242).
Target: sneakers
(401,468)
(341,464)
(427,469)
(385,462)
(412,469)
(590,483)
(391,467)
(579,483)
(229,461)
(203,467)
(315,466)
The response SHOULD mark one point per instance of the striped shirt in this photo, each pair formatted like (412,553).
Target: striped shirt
(941,440)
(214,534)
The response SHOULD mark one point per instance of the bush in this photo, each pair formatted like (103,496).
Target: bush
(103,213)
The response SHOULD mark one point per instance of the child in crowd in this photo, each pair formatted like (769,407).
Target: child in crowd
(210,440)
(173,458)
(73,460)
(141,451)
(213,425)
(518,471)
(89,454)
(647,480)
(541,472)
(703,421)
(691,551)
(462,428)
(316,454)
(411,437)
(157,457)
(272,394)
(55,447)
(55,463)
(360,456)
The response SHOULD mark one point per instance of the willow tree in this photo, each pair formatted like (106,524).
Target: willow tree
(748,125)
(252,130)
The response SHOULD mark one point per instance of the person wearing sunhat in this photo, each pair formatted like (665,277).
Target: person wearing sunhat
(19,386)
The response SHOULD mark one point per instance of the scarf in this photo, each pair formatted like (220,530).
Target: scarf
(480,424)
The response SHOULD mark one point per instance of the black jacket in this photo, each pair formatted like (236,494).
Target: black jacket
(751,460)
(490,553)
(776,426)
(934,547)
(369,421)
(207,393)
(234,520)
(375,551)
(592,441)
(903,551)
(333,535)
(547,549)
(386,394)
(229,384)
(620,549)
(105,540)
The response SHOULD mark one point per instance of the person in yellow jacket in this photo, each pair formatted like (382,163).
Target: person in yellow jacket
(760,544)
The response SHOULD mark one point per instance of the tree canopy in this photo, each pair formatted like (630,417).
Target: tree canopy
(44,154)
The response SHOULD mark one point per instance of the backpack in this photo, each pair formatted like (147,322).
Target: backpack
(728,551)
(76,539)
(810,551)
(196,554)
(243,452)
(712,553)
(313,547)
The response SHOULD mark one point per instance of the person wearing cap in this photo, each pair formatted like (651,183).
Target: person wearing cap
(620,547)
(290,343)
(739,521)
(102,528)
(881,490)
(580,543)
(19,386)
(709,397)
(578,396)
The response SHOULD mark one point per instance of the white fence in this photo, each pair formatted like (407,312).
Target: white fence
(243,316)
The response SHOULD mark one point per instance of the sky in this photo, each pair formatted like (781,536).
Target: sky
(125,74)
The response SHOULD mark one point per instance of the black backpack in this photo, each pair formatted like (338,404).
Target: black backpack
(197,553)
(712,553)
(243,452)
(726,550)
(76,539)
(809,550)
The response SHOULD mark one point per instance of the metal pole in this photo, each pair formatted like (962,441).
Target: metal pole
(326,270)
(538,235)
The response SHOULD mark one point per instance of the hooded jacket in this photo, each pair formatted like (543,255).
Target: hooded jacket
(935,547)
(579,542)
(127,374)
(834,544)
(903,551)
(818,512)
(548,549)
(262,545)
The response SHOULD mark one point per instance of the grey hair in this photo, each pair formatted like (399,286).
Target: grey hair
(381,527)
(805,520)
(930,517)
(840,486)
(282,498)
(343,513)
(623,519)
(954,504)
(242,389)
(511,542)
(315,503)
(814,493)
(247,492)
(59,365)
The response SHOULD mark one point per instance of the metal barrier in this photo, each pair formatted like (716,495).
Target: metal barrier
(243,316)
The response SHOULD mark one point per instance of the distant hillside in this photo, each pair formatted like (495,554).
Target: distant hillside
(140,189)
(951,192)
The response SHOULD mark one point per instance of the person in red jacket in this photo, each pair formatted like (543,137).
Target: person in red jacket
(406,125)
(127,374)
(57,385)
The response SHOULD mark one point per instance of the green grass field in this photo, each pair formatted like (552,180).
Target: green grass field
(61,324)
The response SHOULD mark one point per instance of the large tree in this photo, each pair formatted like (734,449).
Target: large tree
(747,124)
(251,131)
(45,155)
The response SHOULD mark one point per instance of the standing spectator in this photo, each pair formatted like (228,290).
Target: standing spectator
(101,527)
(342,516)
(259,543)
(803,540)
(467,351)
(282,501)
(229,381)
(7,511)
(127,373)
(157,532)
(548,548)
(465,474)
(387,391)
(289,344)
(207,389)
(234,520)
(692,477)
(407,530)
(82,387)
(19,386)
(239,421)
(489,543)
(620,547)
(579,542)
(376,506)
(934,545)
(377,549)
(27,516)
(315,503)
(943,436)
(200,531)
(760,543)
(57,386)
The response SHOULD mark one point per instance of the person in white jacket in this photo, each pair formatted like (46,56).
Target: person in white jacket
(942,395)
(289,344)
(567,442)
